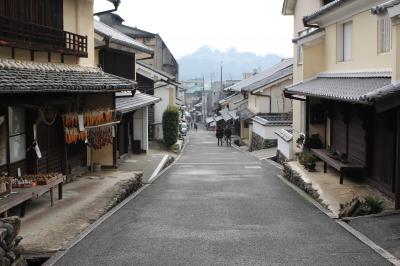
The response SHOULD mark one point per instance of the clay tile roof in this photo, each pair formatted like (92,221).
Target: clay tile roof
(210,120)
(356,87)
(274,119)
(29,77)
(246,114)
(120,38)
(225,114)
(285,134)
(285,72)
(139,100)
(260,76)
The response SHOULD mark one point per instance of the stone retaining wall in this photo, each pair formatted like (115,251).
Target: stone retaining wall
(124,189)
(259,143)
(10,251)
(295,178)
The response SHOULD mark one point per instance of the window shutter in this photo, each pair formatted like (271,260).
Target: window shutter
(339,42)
(384,34)
(347,40)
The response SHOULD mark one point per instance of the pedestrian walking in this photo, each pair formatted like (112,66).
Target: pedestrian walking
(219,133)
(195,126)
(228,136)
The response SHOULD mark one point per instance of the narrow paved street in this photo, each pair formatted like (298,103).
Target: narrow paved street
(218,206)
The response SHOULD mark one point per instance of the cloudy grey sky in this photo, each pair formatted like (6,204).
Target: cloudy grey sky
(185,25)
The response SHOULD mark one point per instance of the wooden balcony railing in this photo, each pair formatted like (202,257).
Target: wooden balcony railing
(20,34)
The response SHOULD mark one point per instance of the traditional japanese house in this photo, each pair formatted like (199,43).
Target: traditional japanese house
(349,56)
(156,75)
(50,90)
(261,94)
(162,85)
(116,54)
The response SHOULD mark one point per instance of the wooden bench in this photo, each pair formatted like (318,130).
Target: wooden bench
(336,164)
(20,196)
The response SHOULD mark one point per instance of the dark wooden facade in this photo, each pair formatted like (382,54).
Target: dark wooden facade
(367,137)
(38,25)
(50,139)
(146,85)
(56,156)
(121,64)
(117,62)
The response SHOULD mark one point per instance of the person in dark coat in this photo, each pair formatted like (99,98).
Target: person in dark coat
(195,126)
(219,133)
(228,136)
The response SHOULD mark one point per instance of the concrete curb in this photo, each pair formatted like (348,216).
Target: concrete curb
(158,169)
(58,255)
(237,148)
(361,237)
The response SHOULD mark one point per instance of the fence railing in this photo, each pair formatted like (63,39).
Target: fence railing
(20,34)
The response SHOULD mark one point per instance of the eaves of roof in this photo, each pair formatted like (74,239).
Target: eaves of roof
(139,100)
(352,87)
(314,32)
(284,134)
(383,7)
(277,77)
(324,9)
(118,37)
(288,7)
(160,72)
(33,77)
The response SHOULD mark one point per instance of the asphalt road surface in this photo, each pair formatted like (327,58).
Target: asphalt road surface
(218,206)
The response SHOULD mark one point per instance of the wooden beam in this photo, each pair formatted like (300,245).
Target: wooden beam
(387,104)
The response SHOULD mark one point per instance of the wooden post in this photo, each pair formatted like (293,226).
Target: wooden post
(51,197)
(60,191)
(397,161)
(91,159)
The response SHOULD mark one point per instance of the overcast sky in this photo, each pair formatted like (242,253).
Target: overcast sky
(185,25)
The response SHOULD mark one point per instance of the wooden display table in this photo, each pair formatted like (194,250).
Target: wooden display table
(20,196)
(336,164)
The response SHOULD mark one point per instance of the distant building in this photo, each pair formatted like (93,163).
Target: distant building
(163,58)
(156,75)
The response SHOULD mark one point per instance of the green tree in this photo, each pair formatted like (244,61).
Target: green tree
(170,124)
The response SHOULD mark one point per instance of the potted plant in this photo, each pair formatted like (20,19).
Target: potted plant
(309,161)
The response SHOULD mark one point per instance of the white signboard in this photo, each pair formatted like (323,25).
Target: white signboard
(37,150)
(81,123)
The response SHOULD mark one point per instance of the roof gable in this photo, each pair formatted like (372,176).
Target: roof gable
(289,7)
(261,76)
(118,37)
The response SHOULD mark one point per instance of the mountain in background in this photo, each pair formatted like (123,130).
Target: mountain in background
(206,62)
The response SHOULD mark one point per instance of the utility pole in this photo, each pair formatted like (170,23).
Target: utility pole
(204,103)
(213,91)
(222,87)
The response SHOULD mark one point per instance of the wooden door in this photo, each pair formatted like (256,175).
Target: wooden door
(384,150)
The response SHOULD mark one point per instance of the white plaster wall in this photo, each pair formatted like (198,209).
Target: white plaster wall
(265,132)
(78,18)
(286,148)
(145,128)
(159,109)
(138,125)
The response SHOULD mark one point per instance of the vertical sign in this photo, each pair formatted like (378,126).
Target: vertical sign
(81,123)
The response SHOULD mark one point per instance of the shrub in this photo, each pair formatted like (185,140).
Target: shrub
(375,204)
(306,157)
(170,125)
